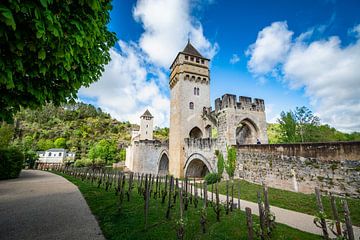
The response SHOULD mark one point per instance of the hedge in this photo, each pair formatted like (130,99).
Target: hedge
(11,162)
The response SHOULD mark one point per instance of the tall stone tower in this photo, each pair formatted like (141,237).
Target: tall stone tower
(189,96)
(146,126)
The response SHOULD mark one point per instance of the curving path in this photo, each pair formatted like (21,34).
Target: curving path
(42,205)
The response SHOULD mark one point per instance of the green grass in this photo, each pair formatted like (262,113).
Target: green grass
(300,202)
(129,223)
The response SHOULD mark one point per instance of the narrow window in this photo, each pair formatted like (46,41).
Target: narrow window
(59,154)
(202,61)
(192,59)
(198,60)
(186,57)
(194,90)
(147,125)
(191,105)
(197,91)
(49,154)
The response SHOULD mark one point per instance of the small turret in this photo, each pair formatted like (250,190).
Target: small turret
(146,126)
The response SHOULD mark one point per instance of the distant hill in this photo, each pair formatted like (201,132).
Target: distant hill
(76,127)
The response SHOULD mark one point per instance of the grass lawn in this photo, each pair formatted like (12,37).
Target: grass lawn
(300,202)
(129,223)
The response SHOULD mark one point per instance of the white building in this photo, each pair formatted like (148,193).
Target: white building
(55,155)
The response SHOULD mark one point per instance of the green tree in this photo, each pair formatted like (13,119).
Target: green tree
(306,122)
(49,49)
(30,158)
(287,123)
(220,163)
(122,154)
(6,134)
(230,165)
(60,143)
(104,150)
(45,144)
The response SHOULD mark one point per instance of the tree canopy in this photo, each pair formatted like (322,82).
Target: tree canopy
(49,49)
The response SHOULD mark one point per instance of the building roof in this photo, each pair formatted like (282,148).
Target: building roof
(56,150)
(190,49)
(147,114)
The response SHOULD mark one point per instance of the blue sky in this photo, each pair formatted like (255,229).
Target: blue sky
(290,53)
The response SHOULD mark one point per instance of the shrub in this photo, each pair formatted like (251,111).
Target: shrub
(212,178)
(220,162)
(11,162)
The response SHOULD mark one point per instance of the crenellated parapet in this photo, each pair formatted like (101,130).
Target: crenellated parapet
(243,103)
(200,143)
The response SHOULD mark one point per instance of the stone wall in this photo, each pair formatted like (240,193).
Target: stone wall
(334,167)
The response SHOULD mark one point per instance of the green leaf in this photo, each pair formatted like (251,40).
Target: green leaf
(9,19)
(41,54)
(44,3)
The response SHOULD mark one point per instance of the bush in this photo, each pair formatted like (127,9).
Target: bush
(11,162)
(212,178)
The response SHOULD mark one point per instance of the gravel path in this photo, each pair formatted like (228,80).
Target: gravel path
(42,205)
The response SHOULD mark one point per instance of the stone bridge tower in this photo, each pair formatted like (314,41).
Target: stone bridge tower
(189,96)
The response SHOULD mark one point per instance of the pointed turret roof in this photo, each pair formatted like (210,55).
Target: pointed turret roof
(147,114)
(190,49)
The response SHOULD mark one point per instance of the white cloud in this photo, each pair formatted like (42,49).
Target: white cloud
(271,46)
(329,74)
(234,59)
(167,26)
(136,79)
(124,90)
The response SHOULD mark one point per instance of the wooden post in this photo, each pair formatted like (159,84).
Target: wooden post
(261,216)
(349,228)
(232,195)
(267,210)
(249,223)
(335,215)
(321,210)
(181,203)
(227,197)
(205,195)
(169,202)
(212,193)
(239,207)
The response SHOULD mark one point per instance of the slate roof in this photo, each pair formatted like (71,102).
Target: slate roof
(190,49)
(147,114)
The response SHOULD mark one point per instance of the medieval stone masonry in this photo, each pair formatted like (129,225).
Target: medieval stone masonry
(197,131)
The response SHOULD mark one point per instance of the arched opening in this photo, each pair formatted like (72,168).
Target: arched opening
(164,165)
(246,132)
(196,169)
(208,131)
(195,133)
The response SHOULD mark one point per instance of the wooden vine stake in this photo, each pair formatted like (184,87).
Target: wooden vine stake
(321,210)
(349,228)
(171,186)
(261,216)
(205,195)
(335,215)
(249,223)
(239,207)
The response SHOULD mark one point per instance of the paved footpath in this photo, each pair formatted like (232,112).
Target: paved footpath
(41,205)
(301,221)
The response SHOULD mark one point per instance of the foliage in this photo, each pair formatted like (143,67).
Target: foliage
(122,154)
(220,162)
(6,134)
(230,164)
(60,143)
(30,158)
(212,178)
(104,150)
(52,48)
(86,162)
(11,162)
(129,223)
(45,144)
(302,126)
(300,202)
(161,133)
(81,125)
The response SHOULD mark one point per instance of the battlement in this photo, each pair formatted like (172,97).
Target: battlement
(200,143)
(243,103)
(155,143)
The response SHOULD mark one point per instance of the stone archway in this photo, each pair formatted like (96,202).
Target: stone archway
(163,165)
(197,166)
(195,133)
(196,169)
(246,132)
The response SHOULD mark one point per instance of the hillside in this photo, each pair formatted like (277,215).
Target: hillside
(77,127)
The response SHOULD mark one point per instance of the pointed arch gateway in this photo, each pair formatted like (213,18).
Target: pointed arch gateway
(247,132)
(163,164)
(195,132)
